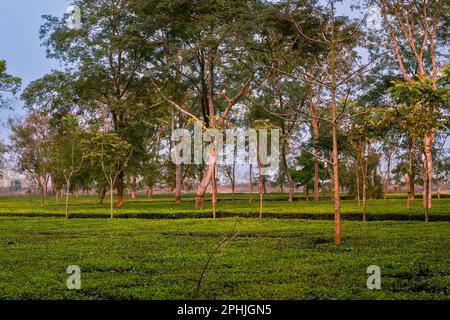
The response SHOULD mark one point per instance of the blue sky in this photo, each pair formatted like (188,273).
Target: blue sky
(20,44)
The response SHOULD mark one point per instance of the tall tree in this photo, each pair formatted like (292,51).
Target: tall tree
(418,36)
(31,142)
(109,58)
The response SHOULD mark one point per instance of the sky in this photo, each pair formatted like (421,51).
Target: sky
(20,44)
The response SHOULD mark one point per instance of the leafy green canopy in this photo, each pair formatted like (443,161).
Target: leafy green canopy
(8,84)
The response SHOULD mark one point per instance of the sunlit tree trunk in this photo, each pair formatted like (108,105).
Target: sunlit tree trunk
(411,173)
(214,192)
(120,188)
(337,198)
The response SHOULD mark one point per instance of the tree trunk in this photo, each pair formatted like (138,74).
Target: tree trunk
(411,174)
(286,169)
(66,211)
(260,189)
(150,192)
(178,183)
(337,198)
(201,189)
(316,160)
(214,192)
(102,196)
(364,184)
(264,183)
(41,183)
(41,190)
(428,144)
(120,189)
(233,187)
(111,200)
(386,180)
(133,187)
(358,164)
(250,183)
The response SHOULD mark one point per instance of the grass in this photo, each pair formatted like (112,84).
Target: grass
(163,258)
(163,206)
(268,259)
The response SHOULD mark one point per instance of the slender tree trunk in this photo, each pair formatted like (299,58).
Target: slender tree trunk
(133,187)
(102,196)
(66,211)
(214,192)
(250,182)
(111,200)
(42,188)
(233,187)
(337,198)
(387,176)
(315,126)
(287,172)
(364,183)
(260,189)
(233,173)
(260,181)
(120,188)
(358,164)
(411,174)
(264,183)
(178,183)
(428,145)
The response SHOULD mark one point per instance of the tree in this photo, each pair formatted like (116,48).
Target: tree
(3,150)
(416,29)
(425,101)
(66,153)
(113,153)
(305,173)
(8,84)
(338,37)
(217,38)
(30,140)
(109,57)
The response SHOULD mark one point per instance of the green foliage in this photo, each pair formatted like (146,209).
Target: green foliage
(304,175)
(163,259)
(275,205)
(8,84)
(420,105)
(110,150)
